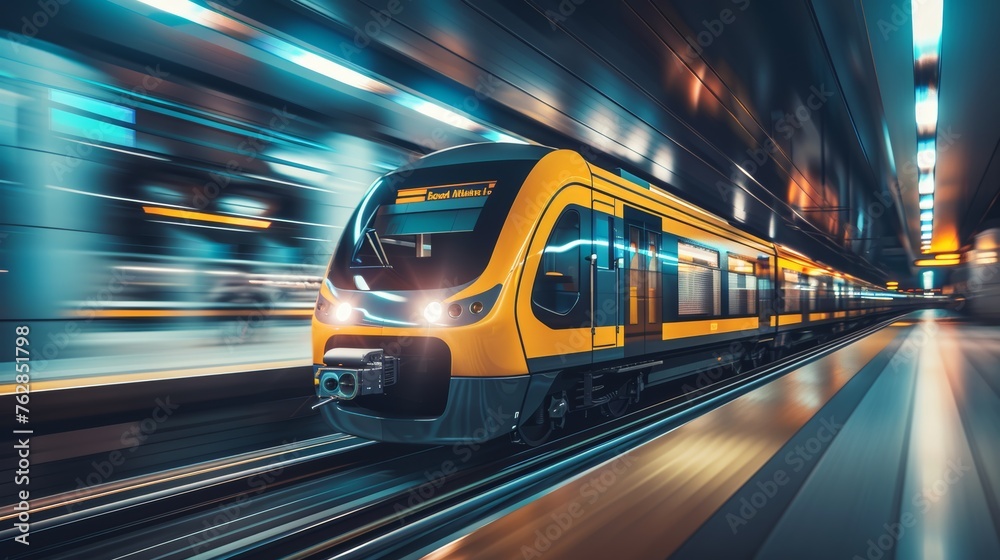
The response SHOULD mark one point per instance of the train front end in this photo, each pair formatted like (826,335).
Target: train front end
(414,337)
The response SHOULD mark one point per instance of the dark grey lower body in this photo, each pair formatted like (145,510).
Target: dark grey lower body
(477,410)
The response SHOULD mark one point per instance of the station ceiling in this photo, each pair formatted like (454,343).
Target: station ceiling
(791,118)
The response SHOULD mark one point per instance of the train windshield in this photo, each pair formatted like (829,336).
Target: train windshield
(427,228)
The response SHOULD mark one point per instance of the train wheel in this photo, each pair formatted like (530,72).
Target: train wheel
(535,430)
(615,407)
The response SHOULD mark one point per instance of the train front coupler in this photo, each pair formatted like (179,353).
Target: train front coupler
(348,373)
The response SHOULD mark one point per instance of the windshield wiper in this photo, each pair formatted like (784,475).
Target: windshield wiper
(372,236)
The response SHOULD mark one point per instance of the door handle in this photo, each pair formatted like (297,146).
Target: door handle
(593,288)
(619,265)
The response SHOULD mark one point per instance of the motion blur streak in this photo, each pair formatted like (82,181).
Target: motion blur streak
(159,217)
(263,224)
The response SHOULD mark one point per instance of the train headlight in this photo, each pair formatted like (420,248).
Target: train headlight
(343,311)
(433,311)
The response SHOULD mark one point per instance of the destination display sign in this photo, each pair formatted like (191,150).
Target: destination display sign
(445,192)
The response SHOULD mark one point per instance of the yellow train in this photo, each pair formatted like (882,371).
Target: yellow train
(494,288)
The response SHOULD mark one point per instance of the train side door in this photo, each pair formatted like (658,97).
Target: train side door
(644,282)
(765,292)
(605,274)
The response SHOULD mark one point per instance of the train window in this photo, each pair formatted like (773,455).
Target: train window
(634,273)
(557,285)
(405,233)
(791,291)
(824,294)
(698,281)
(653,278)
(433,226)
(604,235)
(812,294)
(742,286)
(697,255)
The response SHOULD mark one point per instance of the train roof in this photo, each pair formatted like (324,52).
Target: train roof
(483,152)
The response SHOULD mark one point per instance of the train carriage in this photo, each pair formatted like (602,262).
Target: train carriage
(494,288)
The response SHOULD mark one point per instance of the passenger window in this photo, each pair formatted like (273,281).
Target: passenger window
(698,285)
(813,294)
(557,285)
(792,291)
(742,286)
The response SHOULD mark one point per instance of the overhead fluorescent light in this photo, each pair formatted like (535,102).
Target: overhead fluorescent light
(926,155)
(326,67)
(928,16)
(927,109)
(925,185)
(436,111)
(927,19)
(182,8)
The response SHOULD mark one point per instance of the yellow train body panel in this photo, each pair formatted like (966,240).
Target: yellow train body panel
(685,329)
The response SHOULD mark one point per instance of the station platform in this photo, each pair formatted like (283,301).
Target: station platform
(886,448)
(123,353)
